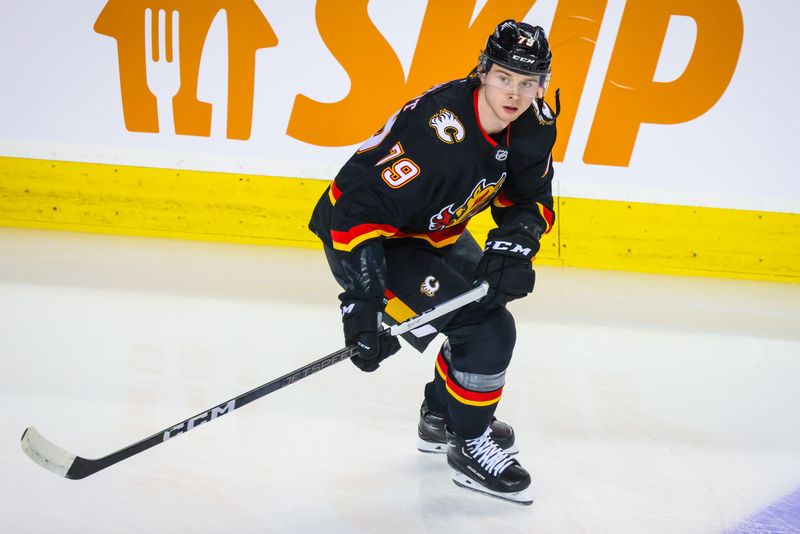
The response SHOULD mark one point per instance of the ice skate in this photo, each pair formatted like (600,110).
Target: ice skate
(432,433)
(481,465)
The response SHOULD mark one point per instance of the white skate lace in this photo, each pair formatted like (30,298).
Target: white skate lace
(488,453)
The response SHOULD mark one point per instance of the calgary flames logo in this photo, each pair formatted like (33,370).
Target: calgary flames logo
(481,195)
(448,128)
(429,286)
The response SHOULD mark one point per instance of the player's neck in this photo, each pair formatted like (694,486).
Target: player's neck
(490,122)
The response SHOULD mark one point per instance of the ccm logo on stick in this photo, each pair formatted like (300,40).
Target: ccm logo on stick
(198,420)
(507,245)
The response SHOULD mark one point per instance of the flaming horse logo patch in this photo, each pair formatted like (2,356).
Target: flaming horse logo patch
(448,128)
(481,195)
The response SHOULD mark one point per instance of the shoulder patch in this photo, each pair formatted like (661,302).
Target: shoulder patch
(448,128)
(543,113)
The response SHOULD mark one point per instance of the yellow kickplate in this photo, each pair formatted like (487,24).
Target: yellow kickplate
(244,208)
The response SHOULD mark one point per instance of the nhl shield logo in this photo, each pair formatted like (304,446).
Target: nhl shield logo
(501,155)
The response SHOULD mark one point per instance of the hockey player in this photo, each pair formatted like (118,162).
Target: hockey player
(393,224)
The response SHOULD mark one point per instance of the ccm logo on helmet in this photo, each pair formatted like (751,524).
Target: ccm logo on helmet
(507,245)
(524,59)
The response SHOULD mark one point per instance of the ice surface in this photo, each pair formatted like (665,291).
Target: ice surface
(642,403)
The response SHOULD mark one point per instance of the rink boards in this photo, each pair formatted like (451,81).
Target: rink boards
(666,159)
(248,208)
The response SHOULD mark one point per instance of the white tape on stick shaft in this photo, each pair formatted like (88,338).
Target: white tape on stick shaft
(442,309)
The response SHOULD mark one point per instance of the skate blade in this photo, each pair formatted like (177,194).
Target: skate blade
(441,448)
(431,446)
(523,497)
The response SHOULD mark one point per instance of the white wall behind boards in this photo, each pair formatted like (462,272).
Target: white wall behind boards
(64,72)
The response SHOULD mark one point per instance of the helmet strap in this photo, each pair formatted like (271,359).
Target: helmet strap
(539,103)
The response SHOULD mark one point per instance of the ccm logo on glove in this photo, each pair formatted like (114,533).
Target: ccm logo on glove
(514,248)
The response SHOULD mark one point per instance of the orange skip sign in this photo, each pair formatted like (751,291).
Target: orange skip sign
(448,46)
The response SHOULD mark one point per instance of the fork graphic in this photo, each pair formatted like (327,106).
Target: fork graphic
(162,62)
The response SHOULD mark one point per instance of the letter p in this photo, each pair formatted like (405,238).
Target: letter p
(630,96)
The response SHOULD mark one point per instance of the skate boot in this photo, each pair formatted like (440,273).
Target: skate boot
(432,435)
(481,465)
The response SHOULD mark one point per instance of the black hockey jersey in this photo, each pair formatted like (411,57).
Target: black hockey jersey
(432,167)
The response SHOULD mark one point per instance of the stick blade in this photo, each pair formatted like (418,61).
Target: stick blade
(45,453)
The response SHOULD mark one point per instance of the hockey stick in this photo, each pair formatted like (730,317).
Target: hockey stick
(66,464)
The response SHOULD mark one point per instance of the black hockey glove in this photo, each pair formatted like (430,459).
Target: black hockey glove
(506,265)
(361,320)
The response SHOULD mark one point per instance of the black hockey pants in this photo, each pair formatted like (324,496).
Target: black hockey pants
(470,369)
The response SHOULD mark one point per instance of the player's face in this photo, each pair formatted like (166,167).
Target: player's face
(508,93)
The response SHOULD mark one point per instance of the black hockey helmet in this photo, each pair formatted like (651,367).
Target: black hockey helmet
(519,47)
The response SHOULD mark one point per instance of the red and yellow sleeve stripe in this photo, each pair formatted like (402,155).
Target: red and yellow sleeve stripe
(547,215)
(334,193)
(440,238)
(349,240)
(501,201)
(465,396)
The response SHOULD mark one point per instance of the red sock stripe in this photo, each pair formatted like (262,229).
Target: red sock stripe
(481,398)
(465,396)
(441,366)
